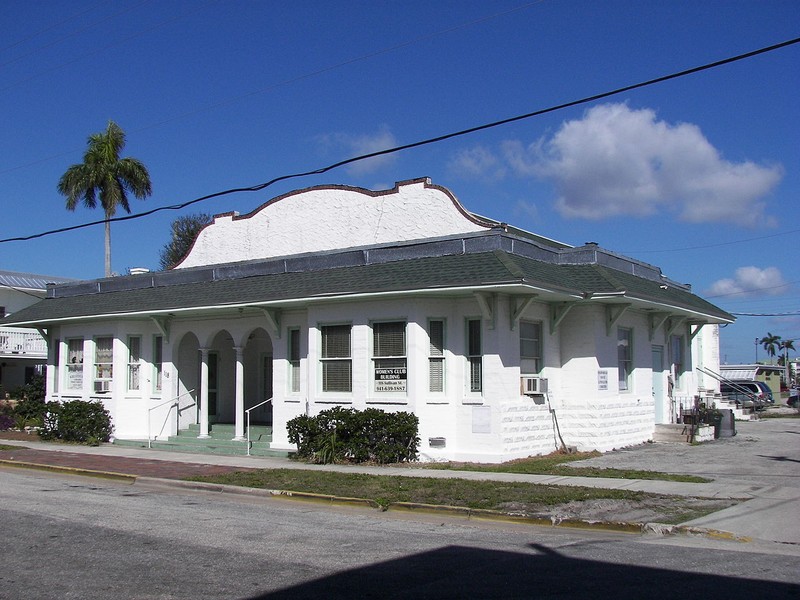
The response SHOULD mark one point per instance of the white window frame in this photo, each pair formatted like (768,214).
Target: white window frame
(625,358)
(103,365)
(293,355)
(437,375)
(76,356)
(327,362)
(677,357)
(474,357)
(158,363)
(57,370)
(395,380)
(532,342)
(134,363)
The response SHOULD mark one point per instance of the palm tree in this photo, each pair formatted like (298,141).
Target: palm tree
(104,175)
(785,346)
(770,343)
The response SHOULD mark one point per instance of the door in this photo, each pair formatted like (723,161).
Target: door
(658,384)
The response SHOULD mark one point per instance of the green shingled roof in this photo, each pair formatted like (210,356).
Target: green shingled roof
(477,270)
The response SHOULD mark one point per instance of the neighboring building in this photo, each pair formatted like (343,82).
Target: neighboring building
(503,342)
(23,351)
(769,374)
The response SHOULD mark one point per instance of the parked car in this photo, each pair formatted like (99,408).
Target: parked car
(794,398)
(746,394)
(767,391)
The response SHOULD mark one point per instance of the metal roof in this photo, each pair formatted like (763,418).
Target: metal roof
(29,281)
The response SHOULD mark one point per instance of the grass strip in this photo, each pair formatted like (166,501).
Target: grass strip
(554,464)
(385,489)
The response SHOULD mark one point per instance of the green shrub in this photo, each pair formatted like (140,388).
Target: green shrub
(29,411)
(345,434)
(77,421)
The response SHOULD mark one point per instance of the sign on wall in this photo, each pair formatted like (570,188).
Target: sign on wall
(602,379)
(390,380)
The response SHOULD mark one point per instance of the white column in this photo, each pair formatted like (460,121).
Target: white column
(239,436)
(203,393)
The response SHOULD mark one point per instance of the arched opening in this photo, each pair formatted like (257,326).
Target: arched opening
(258,353)
(222,379)
(188,367)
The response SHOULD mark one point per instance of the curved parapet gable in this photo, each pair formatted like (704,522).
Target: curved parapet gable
(331,218)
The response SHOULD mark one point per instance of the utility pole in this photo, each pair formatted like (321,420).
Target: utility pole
(756,350)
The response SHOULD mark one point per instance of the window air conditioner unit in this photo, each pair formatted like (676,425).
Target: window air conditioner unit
(102,386)
(533,386)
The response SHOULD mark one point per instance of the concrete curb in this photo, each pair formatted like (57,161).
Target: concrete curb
(411,507)
(70,470)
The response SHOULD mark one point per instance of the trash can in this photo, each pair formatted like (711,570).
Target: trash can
(727,424)
(716,421)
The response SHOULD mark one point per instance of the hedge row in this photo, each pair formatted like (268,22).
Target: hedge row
(345,434)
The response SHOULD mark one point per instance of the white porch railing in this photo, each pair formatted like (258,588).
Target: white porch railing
(18,341)
(176,401)
(247,412)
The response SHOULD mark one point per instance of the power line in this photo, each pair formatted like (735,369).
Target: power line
(783,314)
(417,144)
(754,290)
(50,28)
(717,245)
(285,82)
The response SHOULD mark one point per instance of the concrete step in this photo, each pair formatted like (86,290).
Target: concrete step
(227,431)
(220,441)
(675,433)
(209,447)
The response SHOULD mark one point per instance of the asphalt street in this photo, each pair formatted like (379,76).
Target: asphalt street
(759,464)
(75,537)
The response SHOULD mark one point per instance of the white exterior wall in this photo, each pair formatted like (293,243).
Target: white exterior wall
(128,408)
(352,218)
(592,418)
(496,425)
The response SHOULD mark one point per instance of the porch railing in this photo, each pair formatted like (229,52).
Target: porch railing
(24,342)
(175,402)
(247,412)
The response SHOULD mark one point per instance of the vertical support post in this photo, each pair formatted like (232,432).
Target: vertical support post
(203,393)
(239,418)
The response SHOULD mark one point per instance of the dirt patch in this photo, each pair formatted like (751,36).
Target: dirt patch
(662,509)
(23,436)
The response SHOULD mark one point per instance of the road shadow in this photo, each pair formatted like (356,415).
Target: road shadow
(463,572)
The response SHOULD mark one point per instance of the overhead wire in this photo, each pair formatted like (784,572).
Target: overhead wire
(285,82)
(420,143)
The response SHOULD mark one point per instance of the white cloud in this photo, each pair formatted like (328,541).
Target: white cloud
(477,162)
(750,281)
(348,145)
(619,161)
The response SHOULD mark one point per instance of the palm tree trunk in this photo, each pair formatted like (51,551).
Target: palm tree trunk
(108,247)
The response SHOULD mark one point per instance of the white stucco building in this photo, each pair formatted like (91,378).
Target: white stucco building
(23,351)
(503,342)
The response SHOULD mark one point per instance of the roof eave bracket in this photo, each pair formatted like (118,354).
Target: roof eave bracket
(613,314)
(557,313)
(163,324)
(518,309)
(655,321)
(273,316)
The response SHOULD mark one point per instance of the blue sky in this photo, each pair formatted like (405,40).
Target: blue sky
(698,175)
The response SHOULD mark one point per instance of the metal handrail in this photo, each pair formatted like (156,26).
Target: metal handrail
(175,403)
(247,412)
(735,386)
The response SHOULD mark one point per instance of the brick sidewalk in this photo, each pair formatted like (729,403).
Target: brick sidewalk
(139,467)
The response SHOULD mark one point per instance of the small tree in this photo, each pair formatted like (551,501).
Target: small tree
(184,232)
